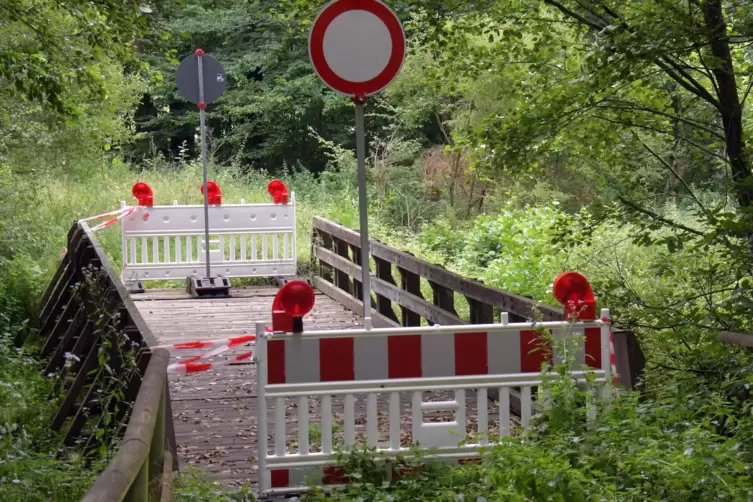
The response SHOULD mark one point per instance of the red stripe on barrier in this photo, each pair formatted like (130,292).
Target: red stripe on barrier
(280,478)
(276,362)
(593,347)
(404,356)
(400,471)
(336,361)
(334,476)
(471,354)
(533,352)
(244,356)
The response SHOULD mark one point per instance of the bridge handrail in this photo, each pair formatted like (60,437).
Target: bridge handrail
(142,468)
(337,276)
(87,312)
(330,247)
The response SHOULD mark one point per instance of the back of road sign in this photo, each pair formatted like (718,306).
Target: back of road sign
(187,78)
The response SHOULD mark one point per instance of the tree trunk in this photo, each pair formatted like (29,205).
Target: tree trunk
(729,101)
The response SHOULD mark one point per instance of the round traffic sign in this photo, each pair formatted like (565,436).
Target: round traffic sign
(357,47)
(187,78)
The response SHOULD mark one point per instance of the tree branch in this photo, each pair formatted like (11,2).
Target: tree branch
(574,15)
(632,106)
(672,169)
(657,217)
(679,75)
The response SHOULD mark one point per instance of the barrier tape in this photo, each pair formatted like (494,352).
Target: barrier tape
(122,214)
(213,353)
(117,215)
(114,216)
(228,342)
(194,367)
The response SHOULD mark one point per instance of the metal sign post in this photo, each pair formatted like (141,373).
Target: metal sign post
(201,79)
(363,210)
(357,48)
(202,129)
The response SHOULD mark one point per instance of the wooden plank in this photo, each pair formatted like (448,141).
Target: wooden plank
(61,326)
(383,304)
(357,286)
(67,406)
(444,298)
(629,358)
(342,280)
(180,295)
(74,327)
(324,240)
(504,300)
(403,297)
(353,304)
(64,282)
(481,313)
(55,285)
(411,283)
(133,312)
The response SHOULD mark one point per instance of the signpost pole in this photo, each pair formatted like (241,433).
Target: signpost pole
(202,106)
(357,48)
(363,208)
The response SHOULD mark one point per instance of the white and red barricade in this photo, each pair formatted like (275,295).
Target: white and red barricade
(320,368)
(246,240)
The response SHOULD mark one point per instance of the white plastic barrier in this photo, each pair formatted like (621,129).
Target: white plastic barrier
(246,240)
(356,379)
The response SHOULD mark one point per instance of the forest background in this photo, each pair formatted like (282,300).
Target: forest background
(523,138)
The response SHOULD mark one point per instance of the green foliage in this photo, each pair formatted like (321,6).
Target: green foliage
(628,449)
(29,470)
(195,486)
(522,139)
(49,48)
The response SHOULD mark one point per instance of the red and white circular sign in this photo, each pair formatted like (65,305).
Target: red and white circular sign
(357,47)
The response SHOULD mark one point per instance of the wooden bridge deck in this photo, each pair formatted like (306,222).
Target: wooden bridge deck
(213,411)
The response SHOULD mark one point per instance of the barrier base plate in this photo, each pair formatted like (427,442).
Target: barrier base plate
(134,287)
(208,287)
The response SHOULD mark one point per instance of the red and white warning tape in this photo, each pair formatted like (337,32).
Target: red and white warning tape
(114,216)
(227,342)
(195,367)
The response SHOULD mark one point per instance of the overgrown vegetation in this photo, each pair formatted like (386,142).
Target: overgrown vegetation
(523,138)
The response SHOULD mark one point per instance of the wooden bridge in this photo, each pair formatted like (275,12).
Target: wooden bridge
(99,342)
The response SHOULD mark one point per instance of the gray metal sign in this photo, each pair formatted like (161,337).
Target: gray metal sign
(187,79)
(201,79)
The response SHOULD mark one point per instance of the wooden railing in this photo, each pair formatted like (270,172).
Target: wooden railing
(337,260)
(142,468)
(97,347)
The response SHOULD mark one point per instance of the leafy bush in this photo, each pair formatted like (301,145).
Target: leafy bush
(29,469)
(631,450)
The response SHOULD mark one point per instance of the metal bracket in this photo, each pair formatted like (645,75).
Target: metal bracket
(208,287)
(134,287)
